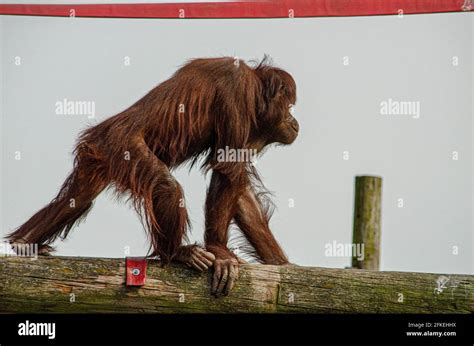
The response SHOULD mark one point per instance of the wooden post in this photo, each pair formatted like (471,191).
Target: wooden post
(367,221)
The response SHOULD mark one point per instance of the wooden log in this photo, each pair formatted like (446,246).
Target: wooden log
(96,285)
(367,221)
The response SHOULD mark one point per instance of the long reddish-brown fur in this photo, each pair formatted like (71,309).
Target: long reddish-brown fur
(207,105)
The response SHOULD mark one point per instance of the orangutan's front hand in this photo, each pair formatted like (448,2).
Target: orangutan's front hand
(226,272)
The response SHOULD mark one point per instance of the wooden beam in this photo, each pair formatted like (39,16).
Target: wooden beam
(78,285)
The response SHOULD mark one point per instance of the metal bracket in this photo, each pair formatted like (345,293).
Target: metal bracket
(136,271)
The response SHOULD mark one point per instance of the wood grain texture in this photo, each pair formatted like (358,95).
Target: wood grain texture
(97,285)
(367,220)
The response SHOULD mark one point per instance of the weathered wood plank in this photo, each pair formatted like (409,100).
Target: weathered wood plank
(48,284)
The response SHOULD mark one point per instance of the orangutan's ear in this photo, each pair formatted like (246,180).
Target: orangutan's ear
(272,84)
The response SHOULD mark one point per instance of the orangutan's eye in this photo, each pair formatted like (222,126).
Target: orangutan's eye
(291,108)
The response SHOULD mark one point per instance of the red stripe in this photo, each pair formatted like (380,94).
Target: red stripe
(244,9)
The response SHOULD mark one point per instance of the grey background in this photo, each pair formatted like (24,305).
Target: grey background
(338,107)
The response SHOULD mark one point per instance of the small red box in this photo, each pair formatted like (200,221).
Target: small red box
(136,271)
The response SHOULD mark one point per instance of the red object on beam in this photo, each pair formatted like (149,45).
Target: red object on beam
(243,9)
(136,271)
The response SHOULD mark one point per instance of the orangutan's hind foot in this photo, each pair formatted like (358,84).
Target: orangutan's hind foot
(45,250)
(195,256)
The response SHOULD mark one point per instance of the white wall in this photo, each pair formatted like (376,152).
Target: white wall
(338,107)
